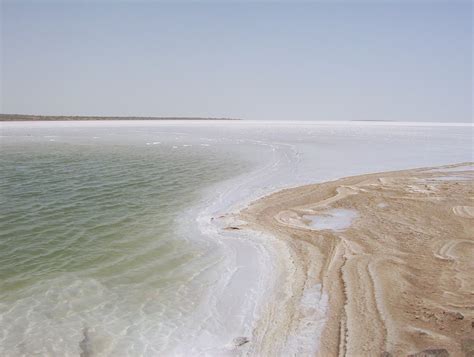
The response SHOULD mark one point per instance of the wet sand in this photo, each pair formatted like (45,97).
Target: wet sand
(373,264)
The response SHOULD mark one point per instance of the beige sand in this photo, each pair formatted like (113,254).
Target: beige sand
(399,279)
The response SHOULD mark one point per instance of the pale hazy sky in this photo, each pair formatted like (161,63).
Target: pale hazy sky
(398,60)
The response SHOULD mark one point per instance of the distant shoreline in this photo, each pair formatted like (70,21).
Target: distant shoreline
(21,117)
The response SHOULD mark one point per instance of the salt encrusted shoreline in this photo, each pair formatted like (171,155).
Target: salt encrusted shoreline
(396,281)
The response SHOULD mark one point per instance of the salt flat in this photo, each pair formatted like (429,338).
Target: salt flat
(185,271)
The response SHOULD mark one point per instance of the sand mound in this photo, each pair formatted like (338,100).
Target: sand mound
(398,279)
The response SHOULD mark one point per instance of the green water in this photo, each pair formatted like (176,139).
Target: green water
(88,240)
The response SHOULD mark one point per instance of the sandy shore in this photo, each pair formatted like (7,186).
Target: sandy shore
(375,264)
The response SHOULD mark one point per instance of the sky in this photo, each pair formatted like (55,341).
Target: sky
(387,60)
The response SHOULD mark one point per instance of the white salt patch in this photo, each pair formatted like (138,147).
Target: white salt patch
(156,142)
(382,205)
(313,307)
(417,189)
(336,219)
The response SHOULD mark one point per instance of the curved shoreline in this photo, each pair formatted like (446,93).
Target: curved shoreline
(372,272)
(238,284)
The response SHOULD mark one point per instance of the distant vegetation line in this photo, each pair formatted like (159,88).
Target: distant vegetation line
(21,117)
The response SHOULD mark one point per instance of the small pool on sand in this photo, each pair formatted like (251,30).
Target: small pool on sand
(336,219)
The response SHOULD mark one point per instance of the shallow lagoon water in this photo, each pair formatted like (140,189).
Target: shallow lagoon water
(111,227)
(88,242)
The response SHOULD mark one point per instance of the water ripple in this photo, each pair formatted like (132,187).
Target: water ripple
(87,243)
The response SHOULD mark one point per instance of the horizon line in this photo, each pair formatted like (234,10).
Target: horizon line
(19,118)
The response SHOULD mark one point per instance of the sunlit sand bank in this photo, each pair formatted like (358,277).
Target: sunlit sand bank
(378,263)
